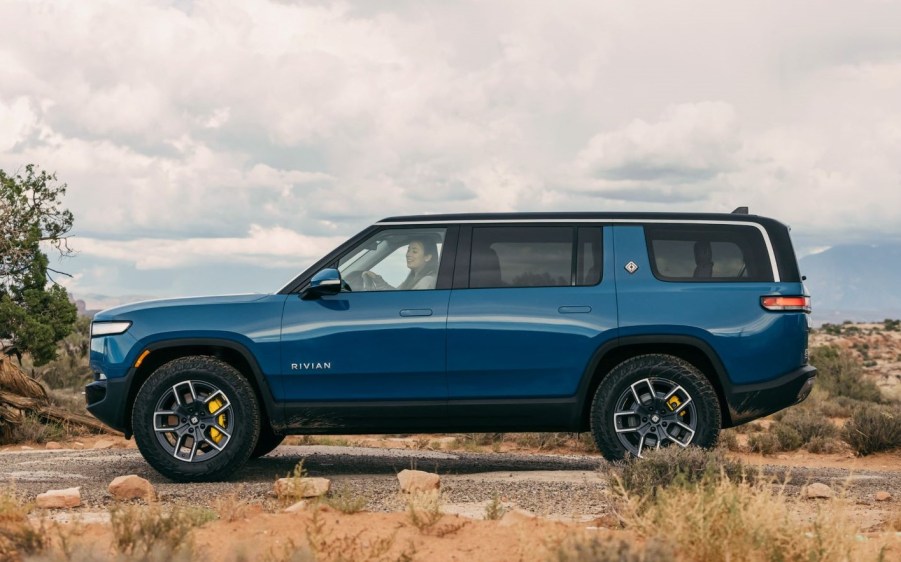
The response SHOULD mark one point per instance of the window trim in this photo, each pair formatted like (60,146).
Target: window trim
(611,221)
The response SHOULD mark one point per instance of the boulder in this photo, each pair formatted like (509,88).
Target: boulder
(817,490)
(516,516)
(418,481)
(132,487)
(302,487)
(78,445)
(104,444)
(59,499)
(53,445)
(882,496)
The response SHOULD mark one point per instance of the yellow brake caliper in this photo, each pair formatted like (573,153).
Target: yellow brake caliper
(215,434)
(674,403)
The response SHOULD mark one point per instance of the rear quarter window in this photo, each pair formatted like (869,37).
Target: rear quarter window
(708,253)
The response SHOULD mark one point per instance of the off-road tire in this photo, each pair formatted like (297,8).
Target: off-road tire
(655,366)
(267,442)
(243,406)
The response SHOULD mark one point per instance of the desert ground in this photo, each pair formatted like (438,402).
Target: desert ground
(501,497)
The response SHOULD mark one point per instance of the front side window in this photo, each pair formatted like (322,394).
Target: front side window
(702,253)
(394,259)
(521,256)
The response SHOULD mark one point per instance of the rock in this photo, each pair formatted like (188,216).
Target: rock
(883,496)
(59,499)
(132,487)
(26,448)
(817,490)
(295,507)
(103,444)
(302,487)
(53,445)
(78,445)
(418,481)
(516,516)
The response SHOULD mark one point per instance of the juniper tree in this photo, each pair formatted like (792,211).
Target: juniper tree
(35,312)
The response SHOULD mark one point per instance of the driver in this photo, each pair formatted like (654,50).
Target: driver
(422,259)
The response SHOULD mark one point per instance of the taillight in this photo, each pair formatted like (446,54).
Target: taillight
(800,304)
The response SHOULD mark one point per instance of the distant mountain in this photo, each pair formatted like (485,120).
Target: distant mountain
(854,282)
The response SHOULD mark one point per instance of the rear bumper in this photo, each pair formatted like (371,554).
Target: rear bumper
(752,401)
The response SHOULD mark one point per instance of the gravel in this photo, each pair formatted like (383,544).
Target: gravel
(557,486)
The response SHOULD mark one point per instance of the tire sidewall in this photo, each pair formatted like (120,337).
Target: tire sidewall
(661,367)
(243,405)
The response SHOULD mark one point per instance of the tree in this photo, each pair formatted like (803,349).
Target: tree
(33,315)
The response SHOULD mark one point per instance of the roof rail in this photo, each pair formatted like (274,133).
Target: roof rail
(740,211)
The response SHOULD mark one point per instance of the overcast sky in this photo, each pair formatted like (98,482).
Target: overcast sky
(223,145)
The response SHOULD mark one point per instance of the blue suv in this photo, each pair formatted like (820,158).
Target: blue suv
(649,330)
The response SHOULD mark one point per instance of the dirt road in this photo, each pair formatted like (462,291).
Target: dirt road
(556,486)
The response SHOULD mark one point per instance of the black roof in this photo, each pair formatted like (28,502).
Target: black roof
(574,216)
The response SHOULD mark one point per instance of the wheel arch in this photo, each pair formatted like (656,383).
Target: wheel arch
(688,348)
(233,353)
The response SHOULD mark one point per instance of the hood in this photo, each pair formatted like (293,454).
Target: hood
(111,313)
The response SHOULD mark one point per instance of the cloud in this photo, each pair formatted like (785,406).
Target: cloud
(262,247)
(690,143)
(176,124)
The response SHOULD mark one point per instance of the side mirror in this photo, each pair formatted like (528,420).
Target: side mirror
(326,282)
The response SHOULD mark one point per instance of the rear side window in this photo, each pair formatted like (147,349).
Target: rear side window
(535,256)
(705,253)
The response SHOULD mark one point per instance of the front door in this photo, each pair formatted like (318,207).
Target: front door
(374,354)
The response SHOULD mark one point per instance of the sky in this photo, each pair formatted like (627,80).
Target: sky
(223,146)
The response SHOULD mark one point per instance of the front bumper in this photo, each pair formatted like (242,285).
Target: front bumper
(752,401)
(106,400)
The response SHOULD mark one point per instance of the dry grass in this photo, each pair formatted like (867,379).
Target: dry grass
(231,507)
(345,501)
(673,466)
(18,535)
(721,519)
(143,533)
(874,429)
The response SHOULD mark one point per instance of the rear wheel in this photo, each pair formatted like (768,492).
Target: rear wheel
(653,401)
(196,419)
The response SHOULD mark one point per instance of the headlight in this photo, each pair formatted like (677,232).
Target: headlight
(108,328)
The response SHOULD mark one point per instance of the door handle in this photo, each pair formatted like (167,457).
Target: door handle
(573,309)
(416,312)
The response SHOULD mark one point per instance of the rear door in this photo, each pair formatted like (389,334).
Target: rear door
(530,305)
(705,281)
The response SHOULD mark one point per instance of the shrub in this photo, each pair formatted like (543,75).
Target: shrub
(495,509)
(840,373)
(18,535)
(673,465)
(763,443)
(874,429)
(892,325)
(808,424)
(141,531)
(824,446)
(729,440)
(609,549)
(345,501)
(738,521)
(787,437)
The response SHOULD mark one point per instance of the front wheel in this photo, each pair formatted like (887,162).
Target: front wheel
(196,419)
(653,401)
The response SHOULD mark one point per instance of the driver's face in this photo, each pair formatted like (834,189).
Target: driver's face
(416,257)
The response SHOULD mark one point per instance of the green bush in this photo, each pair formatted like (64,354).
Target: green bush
(674,466)
(873,429)
(840,374)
